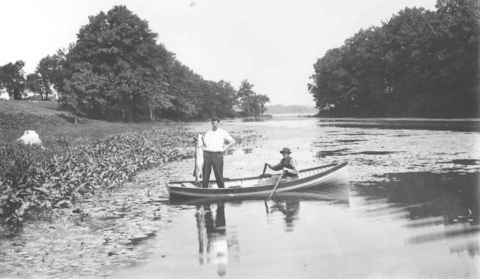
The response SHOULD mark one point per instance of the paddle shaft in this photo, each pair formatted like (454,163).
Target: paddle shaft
(275,188)
(264,169)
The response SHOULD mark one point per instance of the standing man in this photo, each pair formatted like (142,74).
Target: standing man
(213,150)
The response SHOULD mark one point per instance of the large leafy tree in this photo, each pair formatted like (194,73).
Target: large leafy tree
(193,97)
(334,85)
(12,78)
(115,69)
(419,63)
(458,60)
(34,84)
(217,99)
(224,92)
(249,102)
(48,71)
(182,89)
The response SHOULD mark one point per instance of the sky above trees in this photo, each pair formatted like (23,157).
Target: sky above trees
(272,43)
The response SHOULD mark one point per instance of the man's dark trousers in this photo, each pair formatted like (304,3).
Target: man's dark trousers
(215,160)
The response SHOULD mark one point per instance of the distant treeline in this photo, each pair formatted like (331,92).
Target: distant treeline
(419,63)
(299,109)
(117,71)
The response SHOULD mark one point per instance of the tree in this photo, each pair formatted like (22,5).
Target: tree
(226,96)
(115,69)
(83,93)
(419,63)
(249,102)
(458,60)
(47,71)
(12,79)
(333,86)
(34,84)
(182,89)
(244,94)
(193,97)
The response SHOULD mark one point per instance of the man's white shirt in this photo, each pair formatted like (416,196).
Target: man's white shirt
(214,140)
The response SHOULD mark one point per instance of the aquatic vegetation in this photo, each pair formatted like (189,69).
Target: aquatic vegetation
(34,179)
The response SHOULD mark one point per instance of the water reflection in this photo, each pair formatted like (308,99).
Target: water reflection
(471,249)
(436,207)
(218,244)
(255,119)
(466,162)
(212,236)
(329,153)
(290,208)
(423,124)
(374,153)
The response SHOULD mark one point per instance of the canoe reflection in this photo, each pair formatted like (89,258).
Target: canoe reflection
(335,194)
(212,236)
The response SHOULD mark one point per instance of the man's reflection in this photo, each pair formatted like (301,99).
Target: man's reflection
(212,237)
(290,209)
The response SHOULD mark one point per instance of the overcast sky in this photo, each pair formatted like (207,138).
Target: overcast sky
(271,43)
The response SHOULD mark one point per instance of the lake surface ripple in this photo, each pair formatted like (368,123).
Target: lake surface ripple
(411,209)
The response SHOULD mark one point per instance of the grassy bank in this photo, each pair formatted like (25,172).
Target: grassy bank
(56,126)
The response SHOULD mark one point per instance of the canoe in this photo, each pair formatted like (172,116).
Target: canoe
(335,173)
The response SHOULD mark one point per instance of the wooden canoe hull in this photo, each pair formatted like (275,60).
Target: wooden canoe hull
(256,187)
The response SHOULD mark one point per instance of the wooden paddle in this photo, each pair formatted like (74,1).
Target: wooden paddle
(275,188)
(264,169)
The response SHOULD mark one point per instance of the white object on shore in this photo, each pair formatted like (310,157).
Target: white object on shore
(4,95)
(30,137)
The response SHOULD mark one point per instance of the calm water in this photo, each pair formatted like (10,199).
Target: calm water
(411,209)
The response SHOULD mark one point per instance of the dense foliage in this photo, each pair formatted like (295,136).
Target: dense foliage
(42,80)
(250,103)
(116,70)
(12,79)
(419,63)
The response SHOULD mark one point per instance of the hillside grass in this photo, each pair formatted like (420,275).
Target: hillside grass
(30,107)
(56,126)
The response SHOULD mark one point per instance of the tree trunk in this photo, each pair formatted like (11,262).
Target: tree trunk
(45,85)
(130,114)
(152,115)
